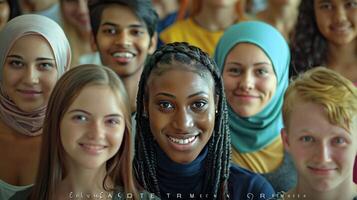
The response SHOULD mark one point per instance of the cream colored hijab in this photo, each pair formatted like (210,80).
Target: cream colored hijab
(30,123)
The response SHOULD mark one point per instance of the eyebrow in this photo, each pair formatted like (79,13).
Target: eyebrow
(255,64)
(197,94)
(37,59)
(130,25)
(174,97)
(324,1)
(88,113)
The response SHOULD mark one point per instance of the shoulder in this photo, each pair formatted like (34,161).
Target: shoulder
(23,194)
(176,30)
(243,183)
(285,177)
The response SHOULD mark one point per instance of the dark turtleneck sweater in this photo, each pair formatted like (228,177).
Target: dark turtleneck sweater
(185,181)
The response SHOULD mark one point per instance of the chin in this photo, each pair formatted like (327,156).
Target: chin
(182,161)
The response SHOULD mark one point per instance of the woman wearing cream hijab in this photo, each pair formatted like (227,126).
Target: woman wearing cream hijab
(34,53)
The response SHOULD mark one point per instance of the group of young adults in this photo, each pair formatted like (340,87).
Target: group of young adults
(177,122)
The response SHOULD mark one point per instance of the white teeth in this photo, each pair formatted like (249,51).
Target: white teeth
(182,141)
(93,147)
(123,55)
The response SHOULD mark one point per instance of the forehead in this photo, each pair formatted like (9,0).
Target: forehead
(35,43)
(247,51)
(180,80)
(316,121)
(120,14)
(90,97)
(331,1)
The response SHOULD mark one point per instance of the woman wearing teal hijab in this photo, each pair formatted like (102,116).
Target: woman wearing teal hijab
(254,60)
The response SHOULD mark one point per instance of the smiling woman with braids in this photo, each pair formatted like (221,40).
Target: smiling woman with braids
(183,143)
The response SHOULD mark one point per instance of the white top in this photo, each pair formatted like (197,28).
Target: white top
(8,190)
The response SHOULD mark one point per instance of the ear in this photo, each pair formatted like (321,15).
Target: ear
(153,43)
(285,139)
(93,44)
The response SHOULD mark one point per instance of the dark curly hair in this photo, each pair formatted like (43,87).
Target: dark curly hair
(218,159)
(309,47)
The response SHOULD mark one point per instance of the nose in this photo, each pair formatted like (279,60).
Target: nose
(32,75)
(124,39)
(323,153)
(83,7)
(96,130)
(183,121)
(246,82)
(340,14)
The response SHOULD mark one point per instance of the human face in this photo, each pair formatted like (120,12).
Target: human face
(4,13)
(337,20)
(249,79)
(221,3)
(30,73)
(123,40)
(323,153)
(76,13)
(92,128)
(281,3)
(181,116)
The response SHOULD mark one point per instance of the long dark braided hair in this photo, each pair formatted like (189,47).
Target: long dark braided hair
(218,158)
(309,46)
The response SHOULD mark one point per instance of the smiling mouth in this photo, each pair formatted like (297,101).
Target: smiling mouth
(29,91)
(93,148)
(182,141)
(322,171)
(126,55)
(340,29)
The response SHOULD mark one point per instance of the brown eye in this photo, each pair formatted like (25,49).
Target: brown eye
(16,64)
(199,105)
(166,106)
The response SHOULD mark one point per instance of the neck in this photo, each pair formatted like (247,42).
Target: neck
(30,6)
(215,19)
(131,84)
(283,17)
(343,60)
(81,181)
(347,190)
(9,134)
(342,54)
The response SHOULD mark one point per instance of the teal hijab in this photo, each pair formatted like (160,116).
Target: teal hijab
(250,134)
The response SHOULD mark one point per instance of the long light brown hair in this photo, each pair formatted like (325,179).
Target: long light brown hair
(52,167)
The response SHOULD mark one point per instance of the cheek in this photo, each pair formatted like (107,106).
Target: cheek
(230,83)
(48,82)
(69,11)
(143,44)
(206,122)
(298,152)
(116,137)
(103,42)
(267,86)
(157,123)
(4,13)
(346,155)
(322,21)
(11,80)
(65,133)
(353,17)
